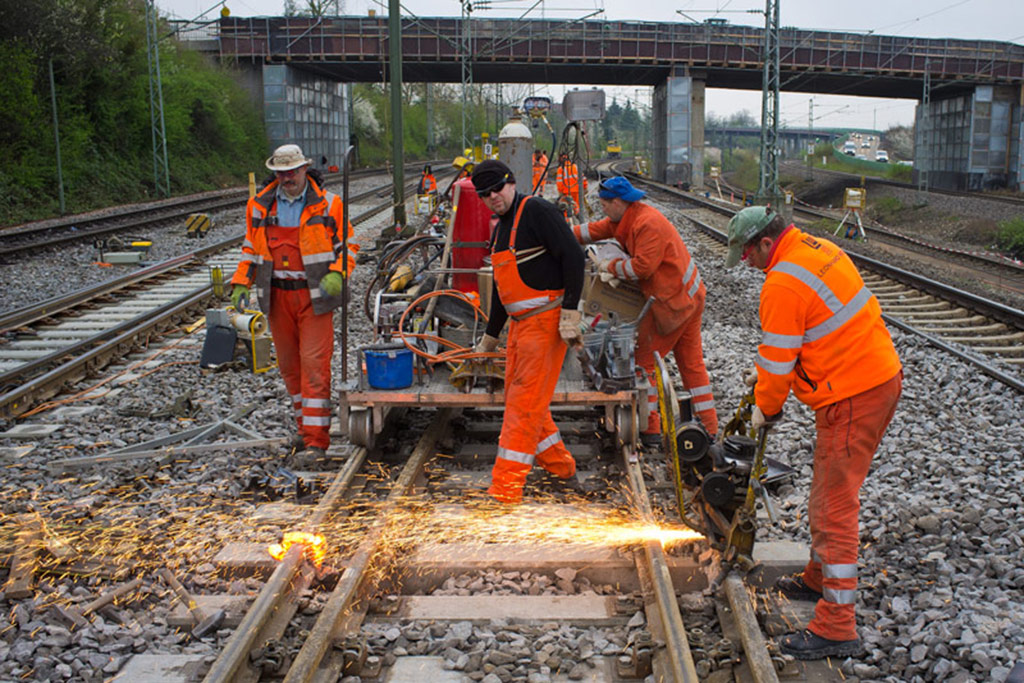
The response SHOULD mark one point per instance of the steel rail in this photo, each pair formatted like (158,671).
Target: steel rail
(308,660)
(27,315)
(282,585)
(16,400)
(677,646)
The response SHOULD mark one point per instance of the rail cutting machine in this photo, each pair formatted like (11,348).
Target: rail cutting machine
(717,485)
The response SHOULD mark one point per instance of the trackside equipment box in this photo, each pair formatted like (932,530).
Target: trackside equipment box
(624,300)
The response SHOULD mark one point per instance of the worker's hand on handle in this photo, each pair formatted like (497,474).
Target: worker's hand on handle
(609,278)
(238,294)
(487,344)
(330,284)
(750,377)
(569,327)
(758,419)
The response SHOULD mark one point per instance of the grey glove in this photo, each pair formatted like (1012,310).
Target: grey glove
(750,377)
(758,419)
(487,344)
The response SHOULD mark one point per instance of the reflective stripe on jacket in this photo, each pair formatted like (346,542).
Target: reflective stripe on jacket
(658,261)
(319,243)
(823,333)
(567,181)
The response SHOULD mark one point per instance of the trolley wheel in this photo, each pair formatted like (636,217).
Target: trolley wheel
(360,427)
(625,424)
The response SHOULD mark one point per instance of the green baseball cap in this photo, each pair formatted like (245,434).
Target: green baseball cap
(744,226)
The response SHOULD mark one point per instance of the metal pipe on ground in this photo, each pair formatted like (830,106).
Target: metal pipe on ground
(754,647)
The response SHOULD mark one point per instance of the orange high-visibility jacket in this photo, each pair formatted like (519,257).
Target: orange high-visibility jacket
(539,166)
(567,180)
(658,261)
(319,242)
(823,333)
(427,184)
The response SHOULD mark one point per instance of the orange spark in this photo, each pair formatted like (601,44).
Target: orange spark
(316,546)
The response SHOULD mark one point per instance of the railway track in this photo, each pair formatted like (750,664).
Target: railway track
(50,345)
(592,571)
(985,333)
(42,234)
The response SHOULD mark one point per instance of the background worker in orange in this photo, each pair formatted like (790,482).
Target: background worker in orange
(540,167)
(823,338)
(659,262)
(428,183)
(567,182)
(538,278)
(293,253)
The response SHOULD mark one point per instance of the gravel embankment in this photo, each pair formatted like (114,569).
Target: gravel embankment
(942,560)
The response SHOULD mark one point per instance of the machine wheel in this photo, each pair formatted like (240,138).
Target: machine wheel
(360,427)
(625,424)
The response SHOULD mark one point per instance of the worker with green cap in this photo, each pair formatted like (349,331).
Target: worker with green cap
(823,338)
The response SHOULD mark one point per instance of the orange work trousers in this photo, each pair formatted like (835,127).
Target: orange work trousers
(685,344)
(305,343)
(849,432)
(528,433)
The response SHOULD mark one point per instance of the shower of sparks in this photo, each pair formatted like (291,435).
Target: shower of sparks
(316,546)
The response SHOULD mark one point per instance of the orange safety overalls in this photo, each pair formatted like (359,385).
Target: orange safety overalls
(533,364)
(304,340)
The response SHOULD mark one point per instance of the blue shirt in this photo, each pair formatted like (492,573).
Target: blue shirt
(289,211)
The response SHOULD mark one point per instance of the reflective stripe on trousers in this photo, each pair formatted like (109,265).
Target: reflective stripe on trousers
(849,432)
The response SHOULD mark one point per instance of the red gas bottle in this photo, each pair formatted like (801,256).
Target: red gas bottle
(471,234)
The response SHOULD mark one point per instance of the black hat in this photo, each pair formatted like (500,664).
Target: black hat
(490,173)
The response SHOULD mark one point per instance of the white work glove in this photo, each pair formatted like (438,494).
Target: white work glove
(750,377)
(609,278)
(569,327)
(487,344)
(758,419)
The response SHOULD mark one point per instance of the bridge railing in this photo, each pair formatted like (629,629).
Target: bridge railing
(618,42)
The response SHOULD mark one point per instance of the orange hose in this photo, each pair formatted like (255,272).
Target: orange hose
(456,353)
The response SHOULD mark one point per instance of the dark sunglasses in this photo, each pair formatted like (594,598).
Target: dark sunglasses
(497,187)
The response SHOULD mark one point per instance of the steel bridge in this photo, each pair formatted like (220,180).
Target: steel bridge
(969,125)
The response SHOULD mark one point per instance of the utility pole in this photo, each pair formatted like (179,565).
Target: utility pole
(397,128)
(768,187)
(56,140)
(809,175)
(161,172)
(430,122)
(465,55)
(923,155)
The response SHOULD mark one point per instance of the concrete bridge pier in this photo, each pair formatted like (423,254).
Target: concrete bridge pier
(301,108)
(678,123)
(972,140)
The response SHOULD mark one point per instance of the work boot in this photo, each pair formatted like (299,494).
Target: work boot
(308,458)
(808,645)
(794,588)
(295,442)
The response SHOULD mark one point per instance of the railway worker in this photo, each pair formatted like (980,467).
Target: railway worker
(292,251)
(540,167)
(538,278)
(428,183)
(659,262)
(823,338)
(567,182)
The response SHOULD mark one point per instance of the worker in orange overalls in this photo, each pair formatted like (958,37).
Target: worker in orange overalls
(428,183)
(567,181)
(659,262)
(293,253)
(823,338)
(538,278)
(540,167)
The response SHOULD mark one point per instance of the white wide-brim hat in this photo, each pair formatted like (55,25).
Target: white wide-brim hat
(286,158)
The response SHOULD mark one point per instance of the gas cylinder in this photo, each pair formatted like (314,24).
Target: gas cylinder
(515,148)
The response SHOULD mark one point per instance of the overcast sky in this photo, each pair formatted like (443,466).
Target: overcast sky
(968,19)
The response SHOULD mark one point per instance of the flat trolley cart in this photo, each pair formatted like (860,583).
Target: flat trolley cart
(363,410)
